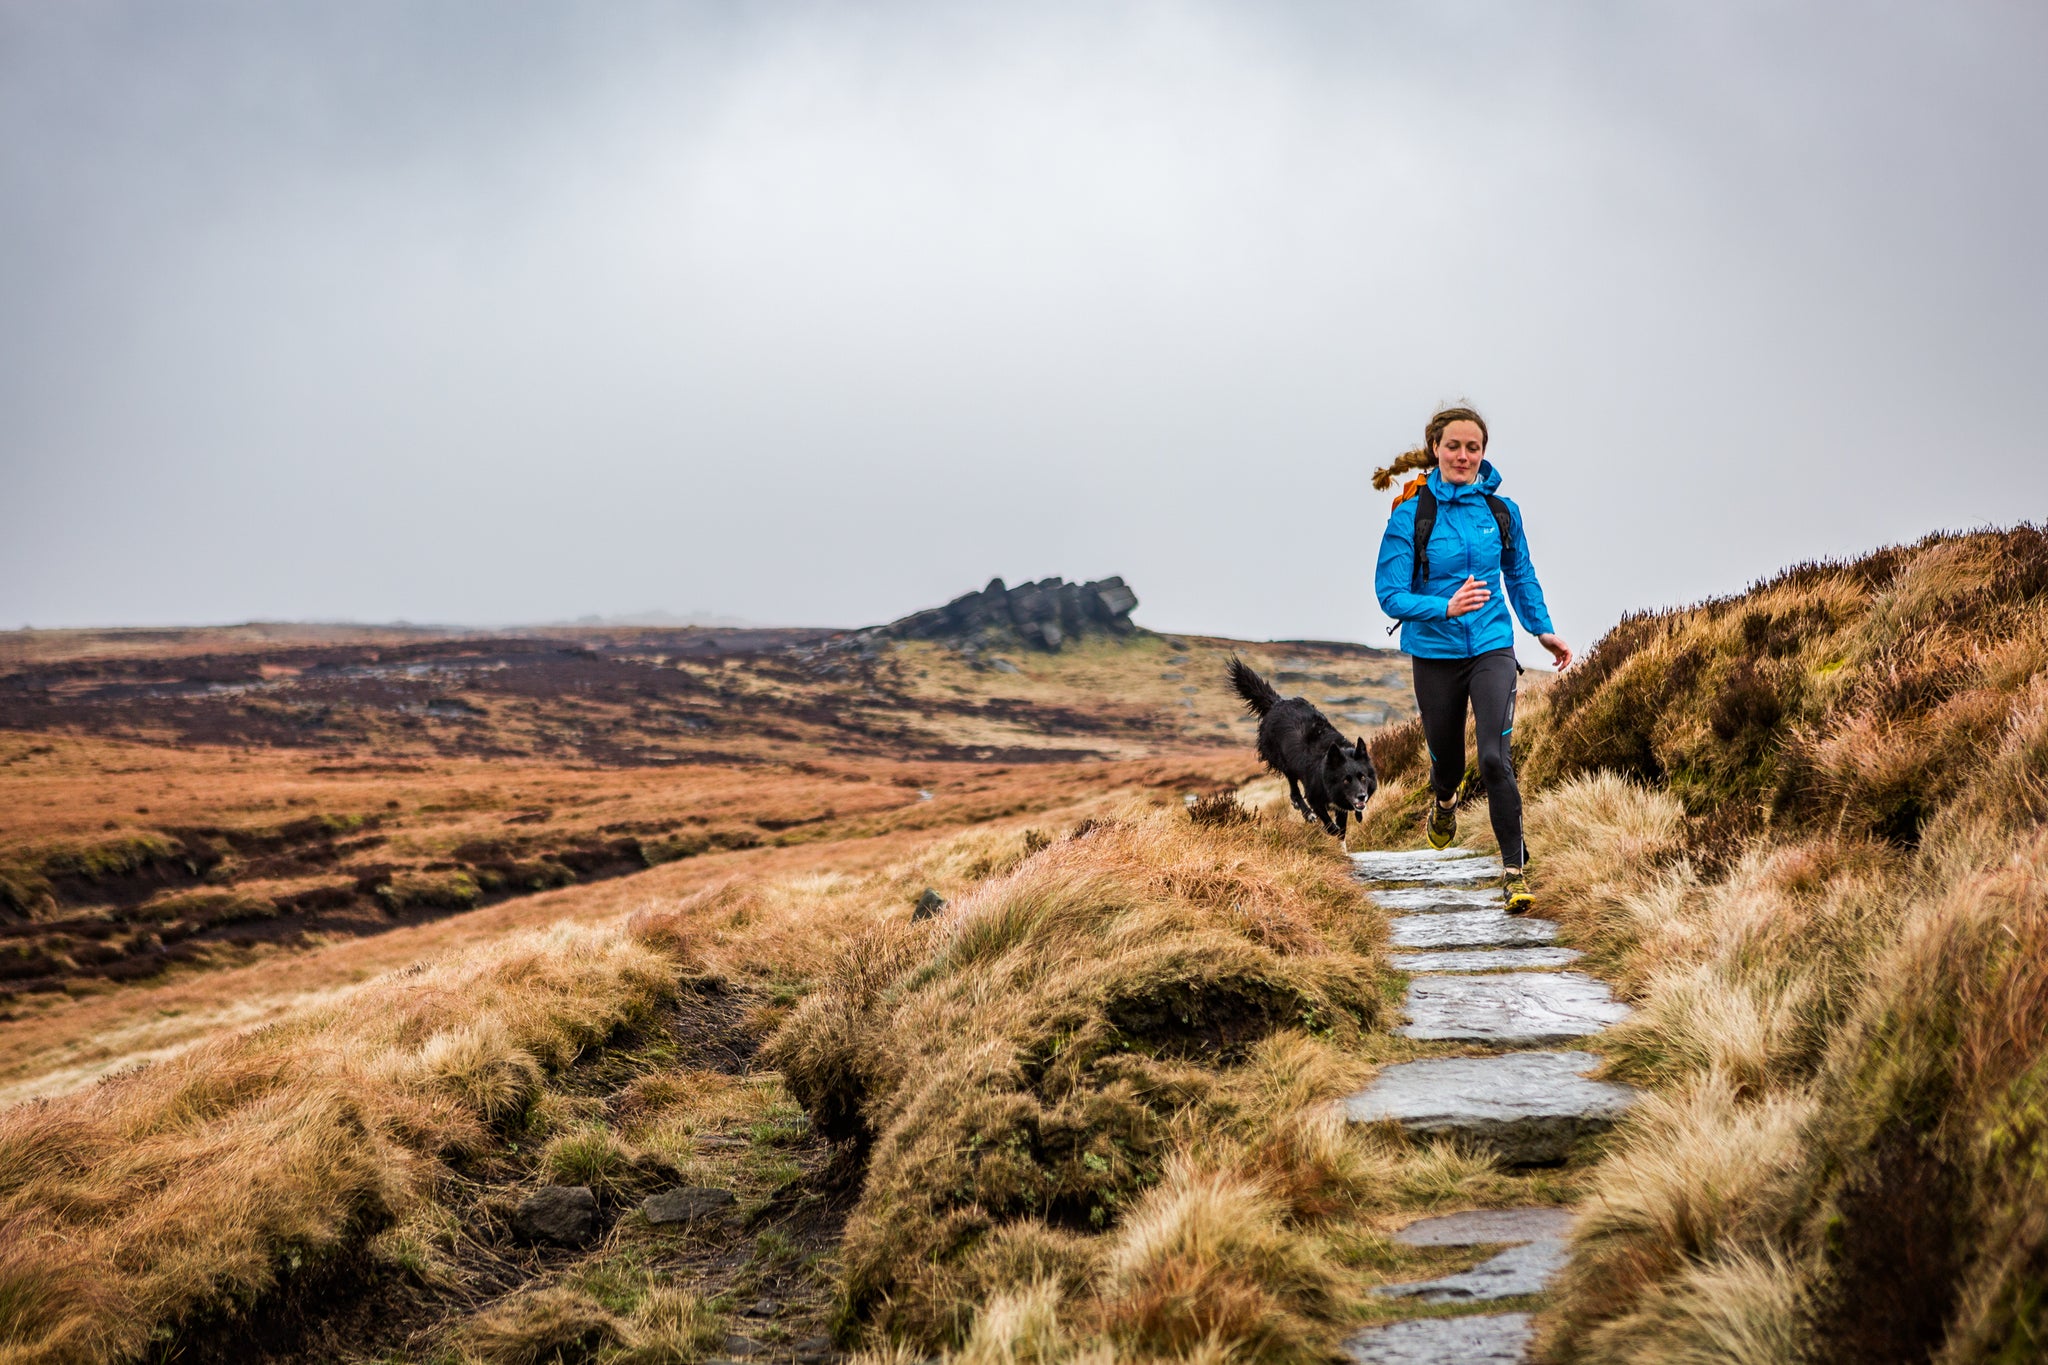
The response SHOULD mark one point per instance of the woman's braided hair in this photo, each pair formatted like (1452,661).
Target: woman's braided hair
(1423,457)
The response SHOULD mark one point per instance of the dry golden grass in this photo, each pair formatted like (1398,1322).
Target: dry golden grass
(200,1180)
(1830,901)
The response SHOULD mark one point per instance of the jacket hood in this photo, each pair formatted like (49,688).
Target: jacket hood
(1487,482)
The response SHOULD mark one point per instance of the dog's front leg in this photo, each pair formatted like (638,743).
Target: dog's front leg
(1300,802)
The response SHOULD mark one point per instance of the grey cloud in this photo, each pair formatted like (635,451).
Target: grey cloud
(823,313)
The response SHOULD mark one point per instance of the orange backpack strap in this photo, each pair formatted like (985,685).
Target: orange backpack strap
(1412,487)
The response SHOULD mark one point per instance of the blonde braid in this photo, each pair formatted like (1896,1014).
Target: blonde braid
(1418,458)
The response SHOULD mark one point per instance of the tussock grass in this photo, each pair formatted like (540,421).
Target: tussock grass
(1090,1094)
(196,1184)
(1802,828)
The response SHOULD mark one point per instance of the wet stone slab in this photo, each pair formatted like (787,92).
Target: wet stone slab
(1487,1339)
(1418,900)
(1525,1008)
(1485,960)
(1471,929)
(1527,1107)
(1515,1273)
(1452,867)
(1487,1227)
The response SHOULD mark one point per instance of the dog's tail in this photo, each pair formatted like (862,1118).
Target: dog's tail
(1259,696)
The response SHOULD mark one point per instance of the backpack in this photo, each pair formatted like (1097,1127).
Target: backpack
(1425,523)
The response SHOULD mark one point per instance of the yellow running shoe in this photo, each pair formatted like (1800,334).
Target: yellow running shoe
(1443,823)
(1514,889)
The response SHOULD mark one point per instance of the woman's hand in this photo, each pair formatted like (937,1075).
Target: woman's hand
(1559,650)
(1470,596)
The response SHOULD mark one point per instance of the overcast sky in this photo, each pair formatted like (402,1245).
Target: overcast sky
(818,314)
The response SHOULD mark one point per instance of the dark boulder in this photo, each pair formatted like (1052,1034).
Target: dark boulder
(563,1214)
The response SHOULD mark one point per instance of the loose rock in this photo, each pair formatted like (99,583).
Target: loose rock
(563,1214)
(929,903)
(685,1205)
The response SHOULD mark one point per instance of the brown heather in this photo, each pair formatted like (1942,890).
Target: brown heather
(1041,1067)
(1803,829)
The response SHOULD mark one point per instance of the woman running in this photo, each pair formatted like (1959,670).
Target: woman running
(1444,587)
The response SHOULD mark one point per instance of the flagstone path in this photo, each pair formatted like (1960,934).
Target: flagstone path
(1479,980)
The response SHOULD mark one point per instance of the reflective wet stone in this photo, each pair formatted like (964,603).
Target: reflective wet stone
(1485,960)
(1417,900)
(1471,929)
(1527,1107)
(1487,1227)
(1516,1272)
(1526,1008)
(1453,866)
(1484,1339)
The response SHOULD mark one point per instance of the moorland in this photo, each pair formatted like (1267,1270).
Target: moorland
(1074,1104)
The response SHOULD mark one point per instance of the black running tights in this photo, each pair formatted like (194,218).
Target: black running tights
(1443,689)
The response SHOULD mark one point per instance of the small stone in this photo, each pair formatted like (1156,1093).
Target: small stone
(760,1308)
(1488,1339)
(1484,960)
(929,903)
(1485,1227)
(814,1348)
(1515,1273)
(685,1205)
(563,1214)
(1471,929)
(1513,1007)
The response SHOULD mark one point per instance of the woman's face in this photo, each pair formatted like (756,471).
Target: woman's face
(1459,451)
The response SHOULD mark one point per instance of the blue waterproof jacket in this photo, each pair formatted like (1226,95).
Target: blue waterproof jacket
(1466,541)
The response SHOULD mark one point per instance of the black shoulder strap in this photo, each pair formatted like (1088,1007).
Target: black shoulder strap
(1425,522)
(1504,519)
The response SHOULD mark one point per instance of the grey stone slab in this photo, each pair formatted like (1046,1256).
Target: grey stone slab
(1527,1107)
(1483,1339)
(1417,900)
(1485,960)
(1487,1227)
(1451,867)
(1525,1008)
(1516,1272)
(1471,929)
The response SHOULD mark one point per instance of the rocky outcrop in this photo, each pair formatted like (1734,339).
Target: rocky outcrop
(1044,615)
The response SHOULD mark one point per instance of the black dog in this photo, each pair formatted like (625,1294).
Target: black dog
(1299,743)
